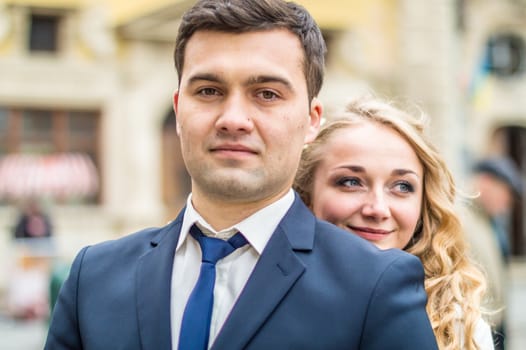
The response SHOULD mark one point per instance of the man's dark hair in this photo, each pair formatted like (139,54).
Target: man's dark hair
(239,16)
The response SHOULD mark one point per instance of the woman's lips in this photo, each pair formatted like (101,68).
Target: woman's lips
(370,234)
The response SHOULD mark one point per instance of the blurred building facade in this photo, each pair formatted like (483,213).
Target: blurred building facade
(94,79)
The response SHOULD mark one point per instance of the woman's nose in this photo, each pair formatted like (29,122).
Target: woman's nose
(376,206)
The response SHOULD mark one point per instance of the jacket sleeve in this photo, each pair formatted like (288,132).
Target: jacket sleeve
(64,326)
(396,316)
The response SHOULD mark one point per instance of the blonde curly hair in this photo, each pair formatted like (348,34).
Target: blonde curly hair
(454,284)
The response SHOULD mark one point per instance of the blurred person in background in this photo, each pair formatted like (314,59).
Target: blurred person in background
(33,221)
(372,171)
(497,183)
(27,292)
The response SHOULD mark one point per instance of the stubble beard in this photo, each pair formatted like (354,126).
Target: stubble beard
(236,186)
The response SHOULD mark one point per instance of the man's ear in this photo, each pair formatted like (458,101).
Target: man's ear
(175,105)
(315,115)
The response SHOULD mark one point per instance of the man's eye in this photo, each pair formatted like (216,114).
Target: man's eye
(208,92)
(268,95)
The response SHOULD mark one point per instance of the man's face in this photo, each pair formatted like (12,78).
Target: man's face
(243,114)
(495,195)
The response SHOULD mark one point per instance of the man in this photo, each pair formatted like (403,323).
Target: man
(33,221)
(249,73)
(498,183)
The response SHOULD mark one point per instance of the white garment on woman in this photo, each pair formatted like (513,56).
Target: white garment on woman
(483,336)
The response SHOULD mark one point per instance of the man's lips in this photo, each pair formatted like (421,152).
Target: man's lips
(232,149)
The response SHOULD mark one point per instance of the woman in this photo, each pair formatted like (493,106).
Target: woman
(373,172)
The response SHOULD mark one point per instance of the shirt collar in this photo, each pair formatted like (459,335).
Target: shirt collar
(257,228)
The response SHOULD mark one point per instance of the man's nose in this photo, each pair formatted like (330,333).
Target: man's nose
(236,115)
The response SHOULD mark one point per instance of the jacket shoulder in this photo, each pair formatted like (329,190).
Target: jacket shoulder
(132,245)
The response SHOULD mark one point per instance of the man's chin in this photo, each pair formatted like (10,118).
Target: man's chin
(231,184)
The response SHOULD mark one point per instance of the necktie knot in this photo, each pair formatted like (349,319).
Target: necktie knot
(215,249)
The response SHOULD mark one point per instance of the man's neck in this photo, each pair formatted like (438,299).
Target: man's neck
(221,214)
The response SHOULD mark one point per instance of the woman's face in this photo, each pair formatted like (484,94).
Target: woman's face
(370,182)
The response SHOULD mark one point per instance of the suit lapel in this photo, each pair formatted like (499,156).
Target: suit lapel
(153,287)
(275,273)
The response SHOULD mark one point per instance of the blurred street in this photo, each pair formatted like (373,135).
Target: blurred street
(18,335)
(22,335)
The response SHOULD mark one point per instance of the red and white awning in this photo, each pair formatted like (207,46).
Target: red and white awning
(61,176)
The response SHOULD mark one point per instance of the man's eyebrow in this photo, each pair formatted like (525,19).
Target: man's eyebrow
(261,79)
(254,80)
(206,77)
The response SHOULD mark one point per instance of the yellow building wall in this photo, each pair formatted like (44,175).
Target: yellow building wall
(330,14)
(47,3)
(340,14)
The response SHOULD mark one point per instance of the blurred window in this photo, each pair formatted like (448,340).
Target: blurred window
(506,54)
(44,32)
(41,131)
(37,131)
(176,184)
(82,132)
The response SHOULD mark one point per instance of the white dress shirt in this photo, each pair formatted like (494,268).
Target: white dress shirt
(232,272)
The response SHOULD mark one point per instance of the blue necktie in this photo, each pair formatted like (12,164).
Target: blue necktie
(195,328)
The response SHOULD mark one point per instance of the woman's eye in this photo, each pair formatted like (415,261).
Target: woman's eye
(405,187)
(349,182)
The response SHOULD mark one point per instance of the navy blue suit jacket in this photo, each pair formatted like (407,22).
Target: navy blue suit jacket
(315,286)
